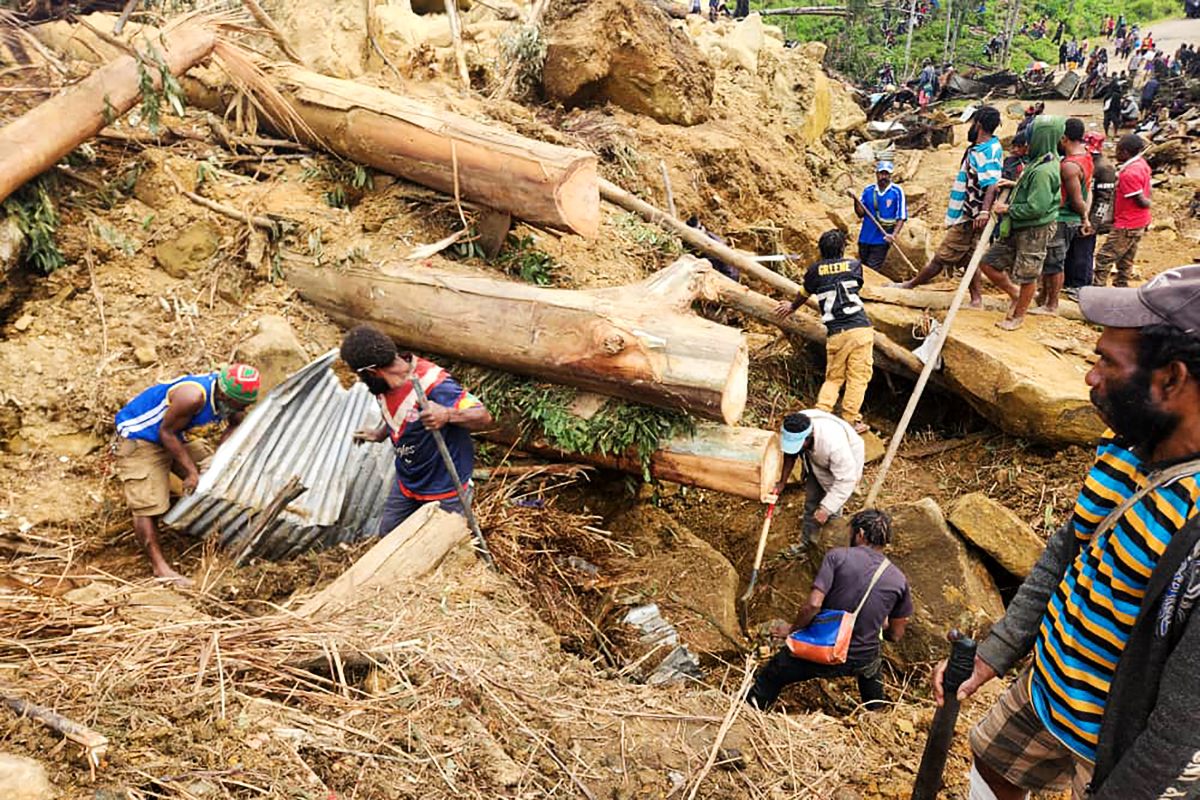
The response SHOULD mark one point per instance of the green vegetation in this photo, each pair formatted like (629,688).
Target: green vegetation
(37,218)
(652,239)
(349,180)
(525,51)
(545,411)
(857,47)
(520,257)
(154,93)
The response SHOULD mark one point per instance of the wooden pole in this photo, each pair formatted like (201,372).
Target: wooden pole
(615,194)
(667,188)
(460,57)
(943,331)
(806,11)
(912,20)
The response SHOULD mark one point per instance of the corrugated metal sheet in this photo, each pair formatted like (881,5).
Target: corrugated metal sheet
(302,428)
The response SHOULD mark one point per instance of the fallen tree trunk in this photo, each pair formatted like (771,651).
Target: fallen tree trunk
(35,141)
(889,355)
(542,183)
(413,549)
(640,342)
(745,462)
(935,300)
(804,11)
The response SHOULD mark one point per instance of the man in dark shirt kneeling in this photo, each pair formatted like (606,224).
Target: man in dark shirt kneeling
(843,579)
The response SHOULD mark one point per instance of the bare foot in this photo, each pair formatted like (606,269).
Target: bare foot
(170,577)
(1010,323)
(899,285)
(1044,311)
(975,302)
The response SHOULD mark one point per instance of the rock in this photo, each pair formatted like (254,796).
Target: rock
(627,53)
(950,586)
(691,581)
(190,251)
(997,531)
(914,241)
(273,350)
(145,355)
(330,36)
(23,322)
(23,778)
(11,241)
(1029,382)
(744,41)
(874,446)
(75,444)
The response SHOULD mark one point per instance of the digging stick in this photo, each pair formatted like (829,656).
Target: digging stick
(94,744)
(931,361)
(850,193)
(459,487)
(758,555)
(941,730)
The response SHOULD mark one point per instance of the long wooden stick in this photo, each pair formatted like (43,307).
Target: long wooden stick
(289,492)
(735,707)
(95,745)
(931,361)
(850,193)
(615,194)
(268,24)
(667,188)
(460,57)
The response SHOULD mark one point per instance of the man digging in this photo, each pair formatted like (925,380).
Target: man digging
(421,474)
(884,201)
(1110,705)
(833,456)
(152,444)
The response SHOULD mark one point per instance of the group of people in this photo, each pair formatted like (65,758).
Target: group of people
(1063,193)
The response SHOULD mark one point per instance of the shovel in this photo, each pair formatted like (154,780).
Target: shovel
(758,557)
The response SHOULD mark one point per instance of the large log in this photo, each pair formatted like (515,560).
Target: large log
(35,141)
(413,549)
(640,342)
(937,300)
(745,462)
(539,182)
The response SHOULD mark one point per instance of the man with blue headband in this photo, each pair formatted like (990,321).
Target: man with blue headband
(833,456)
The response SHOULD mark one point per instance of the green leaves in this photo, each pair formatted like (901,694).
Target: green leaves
(521,257)
(37,218)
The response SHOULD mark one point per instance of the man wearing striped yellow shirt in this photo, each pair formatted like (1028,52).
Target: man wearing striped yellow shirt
(1110,705)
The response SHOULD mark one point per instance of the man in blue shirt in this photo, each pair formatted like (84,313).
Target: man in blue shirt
(421,474)
(885,202)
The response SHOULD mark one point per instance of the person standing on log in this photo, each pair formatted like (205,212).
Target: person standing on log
(885,201)
(1131,213)
(1075,176)
(1110,705)
(152,443)
(1028,221)
(1081,255)
(841,583)
(833,456)
(421,474)
(971,198)
(834,282)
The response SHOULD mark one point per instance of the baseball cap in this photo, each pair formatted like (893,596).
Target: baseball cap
(885,166)
(1170,298)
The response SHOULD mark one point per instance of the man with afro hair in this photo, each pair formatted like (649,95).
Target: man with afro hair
(421,474)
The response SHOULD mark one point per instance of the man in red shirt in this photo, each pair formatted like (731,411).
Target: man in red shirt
(1131,214)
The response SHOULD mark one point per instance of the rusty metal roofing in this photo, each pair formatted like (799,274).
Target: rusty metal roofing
(302,428)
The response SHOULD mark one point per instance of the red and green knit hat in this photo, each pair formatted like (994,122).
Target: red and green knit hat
(239,382)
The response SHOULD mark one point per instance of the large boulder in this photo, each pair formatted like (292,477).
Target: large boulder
(190,251)
(914,242)
(950,587)
(23,778)
(695,585)
(273,350)
(998,531)
(1029,382)
(627,53)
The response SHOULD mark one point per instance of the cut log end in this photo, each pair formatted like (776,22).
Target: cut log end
(577,200)
(772,467)
(733,399)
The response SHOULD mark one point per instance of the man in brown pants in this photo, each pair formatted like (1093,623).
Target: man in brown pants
(834,282)
(1131,214)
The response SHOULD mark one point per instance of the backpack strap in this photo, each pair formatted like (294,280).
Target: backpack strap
(871,586)
(1155,480)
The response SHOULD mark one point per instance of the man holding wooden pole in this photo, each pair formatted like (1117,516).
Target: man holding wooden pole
(421,474)
(883,211)
(971,197)
(833,456)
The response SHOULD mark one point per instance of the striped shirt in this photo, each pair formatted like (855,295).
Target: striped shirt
(980,169)
(1089,619)
(141,417)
